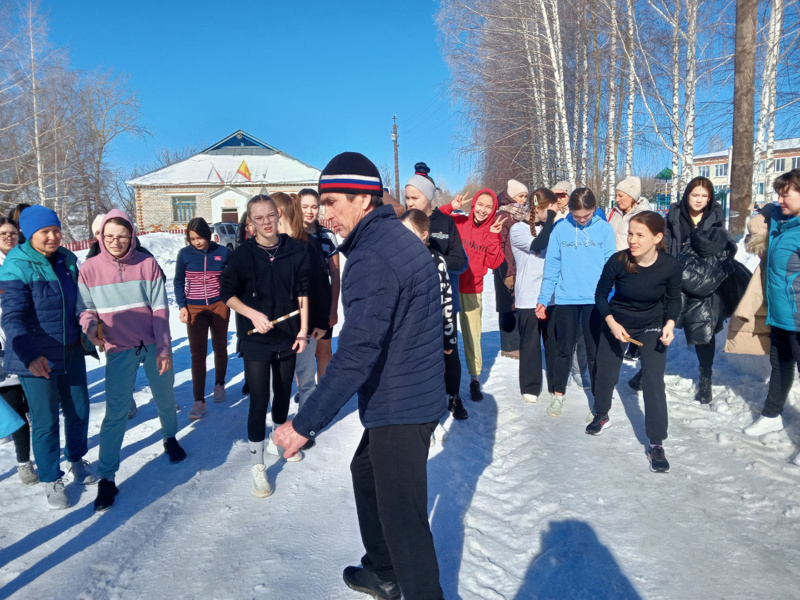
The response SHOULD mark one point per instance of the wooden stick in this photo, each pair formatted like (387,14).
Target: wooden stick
(633,341)
(278,320)
(100,335)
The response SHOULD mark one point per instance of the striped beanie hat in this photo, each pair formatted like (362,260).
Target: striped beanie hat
(351,173)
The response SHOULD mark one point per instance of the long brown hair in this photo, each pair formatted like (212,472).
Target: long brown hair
(656,224)
(290,207)
(542,197)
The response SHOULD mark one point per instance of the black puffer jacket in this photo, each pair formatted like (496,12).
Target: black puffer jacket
(706,262)
(680,225)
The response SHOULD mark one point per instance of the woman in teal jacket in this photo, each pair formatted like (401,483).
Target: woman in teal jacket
(45,347)
(783,300)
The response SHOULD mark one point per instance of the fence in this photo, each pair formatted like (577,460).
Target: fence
(86,244)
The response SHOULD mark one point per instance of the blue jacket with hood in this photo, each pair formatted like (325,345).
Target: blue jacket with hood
(390,346)
(783,268)
(576,256)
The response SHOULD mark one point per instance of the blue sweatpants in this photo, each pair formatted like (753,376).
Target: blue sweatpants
(121,368)
(44,397)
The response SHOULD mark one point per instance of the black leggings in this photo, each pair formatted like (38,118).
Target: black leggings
(452,373)
(15,398)
(653,356)
(568,318)
(257,374)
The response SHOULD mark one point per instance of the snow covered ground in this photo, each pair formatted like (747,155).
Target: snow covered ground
(522,505)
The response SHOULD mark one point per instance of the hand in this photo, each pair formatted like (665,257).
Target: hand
(164,362)
(667,334)
(300,341)
(184,314)
(261,322)
(541,312)
(39,367)
(509,281)
(334,318)
(448,351)
(92,335)
(458,202)
(617,330)
(497,226)
(287,438)
(317,333)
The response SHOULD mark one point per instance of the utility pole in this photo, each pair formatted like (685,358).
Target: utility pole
(743,107)
(396,164)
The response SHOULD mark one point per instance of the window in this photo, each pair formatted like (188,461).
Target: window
(796,162)
(780,165)
(721,170)
(704,171)
(183,208)
(762,167)
(760,189)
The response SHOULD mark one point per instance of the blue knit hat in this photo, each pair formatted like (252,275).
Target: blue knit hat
(351,173)
(37,217)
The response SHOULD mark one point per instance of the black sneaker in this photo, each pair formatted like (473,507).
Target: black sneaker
(635,382)
(365,581)
(597,425)
(658,461)
(106,490)
(703,395)
(174,451)
(457,408)
(475,390)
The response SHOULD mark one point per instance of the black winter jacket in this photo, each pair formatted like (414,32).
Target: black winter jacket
(680,225)
(706,262)
(390,345)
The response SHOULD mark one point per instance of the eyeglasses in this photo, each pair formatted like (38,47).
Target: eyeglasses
(264,219)
(111,239)
(9,235)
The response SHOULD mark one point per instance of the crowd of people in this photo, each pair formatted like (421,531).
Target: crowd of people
(577,292)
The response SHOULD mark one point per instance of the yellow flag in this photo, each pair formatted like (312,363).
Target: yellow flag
(244,171)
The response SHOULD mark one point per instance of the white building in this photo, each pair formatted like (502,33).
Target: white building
(217,183)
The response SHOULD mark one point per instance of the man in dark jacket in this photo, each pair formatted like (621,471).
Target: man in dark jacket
(390,354)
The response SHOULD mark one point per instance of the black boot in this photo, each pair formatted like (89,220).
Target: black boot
(703,395)
(365,581)
(106,490)
(173,449)
(456,407)
(475,390)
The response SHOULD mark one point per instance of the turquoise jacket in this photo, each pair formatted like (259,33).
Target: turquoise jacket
(33,308)
(783,268)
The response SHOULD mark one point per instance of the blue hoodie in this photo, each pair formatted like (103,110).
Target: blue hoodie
(575,259)
(783,268)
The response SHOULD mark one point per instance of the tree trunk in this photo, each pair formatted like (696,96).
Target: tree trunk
(743,104)
(631,93)
(611,157)
(676,106)
(689,87)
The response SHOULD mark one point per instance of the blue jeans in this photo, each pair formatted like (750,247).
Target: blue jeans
(44,397)
(305,368)
(121,368)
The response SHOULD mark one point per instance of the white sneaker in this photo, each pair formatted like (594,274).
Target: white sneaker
(763,425)
(261,487)
(197,411)
(27,475)
(440,433)
(81,474)
(56,496)
(556,403)
(219,392)
(530,398)
(275,451)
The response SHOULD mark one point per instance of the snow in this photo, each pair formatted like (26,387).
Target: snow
(521,505)
(265,168)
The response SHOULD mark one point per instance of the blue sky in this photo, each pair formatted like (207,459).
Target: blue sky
(312,78)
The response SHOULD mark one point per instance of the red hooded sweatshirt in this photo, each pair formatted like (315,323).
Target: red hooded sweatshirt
(483,247)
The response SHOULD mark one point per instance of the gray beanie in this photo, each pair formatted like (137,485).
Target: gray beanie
(632,186)
(564,186)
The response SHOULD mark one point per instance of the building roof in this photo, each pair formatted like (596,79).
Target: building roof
(785,144)
(218,165)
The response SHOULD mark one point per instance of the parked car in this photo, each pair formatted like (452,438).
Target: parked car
(224,234)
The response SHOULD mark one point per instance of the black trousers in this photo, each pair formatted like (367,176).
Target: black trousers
(705,354)
(568,318)
(452,373)
(390,482)
(509,340)
(653,357)
(15,398)
(257,375)
(532,332)
(784,356)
